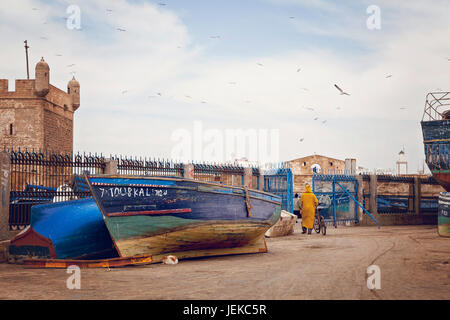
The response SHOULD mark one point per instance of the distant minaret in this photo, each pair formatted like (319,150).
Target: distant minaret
(402,164)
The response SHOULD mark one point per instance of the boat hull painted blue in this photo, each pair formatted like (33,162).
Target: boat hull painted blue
(436,138)
(75,229)
(189,214)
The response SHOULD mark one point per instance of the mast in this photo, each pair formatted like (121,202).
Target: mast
(26,55)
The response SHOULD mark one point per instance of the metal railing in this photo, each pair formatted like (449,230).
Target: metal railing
(436,104)
(44,177)
(147,166)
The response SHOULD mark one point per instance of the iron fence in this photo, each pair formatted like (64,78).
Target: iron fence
(45,177)
(279,180)
(147,167)
(402,202)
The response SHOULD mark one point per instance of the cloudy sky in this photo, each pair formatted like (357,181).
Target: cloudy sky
(151,70)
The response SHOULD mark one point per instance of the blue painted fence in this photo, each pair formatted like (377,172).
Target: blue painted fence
(336,205)
(279,181)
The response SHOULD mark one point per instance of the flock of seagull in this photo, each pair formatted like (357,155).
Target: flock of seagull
(159,94)
(341,91)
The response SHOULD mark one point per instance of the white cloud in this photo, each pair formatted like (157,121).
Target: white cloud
(157,54)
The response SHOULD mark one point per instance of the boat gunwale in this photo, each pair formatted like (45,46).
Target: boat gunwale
(182,179)
(205,191)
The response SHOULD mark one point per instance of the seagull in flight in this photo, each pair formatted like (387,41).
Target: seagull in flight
(342,91)
(260,64)
(109,10)
(301,140)
(291,17)
(71,65)
(162,4)
(388,76)
(120,29)
(316,118)
(306,89)
(124,91)
(298,70)
(324,121)
(215,37)
(402,108)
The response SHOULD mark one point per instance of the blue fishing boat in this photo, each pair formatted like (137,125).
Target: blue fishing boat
(64,230)
(436,136)
(133,216)
(161,216)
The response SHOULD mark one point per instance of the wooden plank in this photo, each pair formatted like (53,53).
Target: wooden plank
(102,263)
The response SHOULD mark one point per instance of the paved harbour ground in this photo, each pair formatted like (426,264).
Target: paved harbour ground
(413,260)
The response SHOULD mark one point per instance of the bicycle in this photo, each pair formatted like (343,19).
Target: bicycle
(319,224)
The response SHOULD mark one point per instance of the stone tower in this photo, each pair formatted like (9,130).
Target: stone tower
(38,115)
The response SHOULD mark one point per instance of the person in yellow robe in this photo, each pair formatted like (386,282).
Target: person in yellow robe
(309,204)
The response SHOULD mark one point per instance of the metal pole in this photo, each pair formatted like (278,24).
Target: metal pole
(26,55)
(334,202)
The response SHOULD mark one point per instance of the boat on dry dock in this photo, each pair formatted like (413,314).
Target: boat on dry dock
(141,216)
(161,216)
(436,139)
(436,136)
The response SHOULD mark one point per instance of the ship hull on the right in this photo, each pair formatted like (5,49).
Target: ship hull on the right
(436,139)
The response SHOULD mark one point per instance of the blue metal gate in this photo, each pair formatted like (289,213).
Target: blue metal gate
(337,195)
(279,181)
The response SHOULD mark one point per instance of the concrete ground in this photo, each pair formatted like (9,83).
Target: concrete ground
(413,260)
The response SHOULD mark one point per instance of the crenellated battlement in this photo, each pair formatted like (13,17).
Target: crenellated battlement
(37,114)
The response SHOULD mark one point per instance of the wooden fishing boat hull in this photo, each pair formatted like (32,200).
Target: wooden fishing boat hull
(444,214)
(64,230)
(436,138)
(160,216)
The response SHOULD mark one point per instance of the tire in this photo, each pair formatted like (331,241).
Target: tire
(316,226)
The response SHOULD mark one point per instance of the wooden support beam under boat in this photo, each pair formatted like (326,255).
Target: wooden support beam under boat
(102,263)
(258,246)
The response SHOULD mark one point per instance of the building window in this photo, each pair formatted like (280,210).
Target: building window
(331,164)
(316,168)
(304,164)
(10,129)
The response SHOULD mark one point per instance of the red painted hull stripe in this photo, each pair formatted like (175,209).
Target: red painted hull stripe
(149,212)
